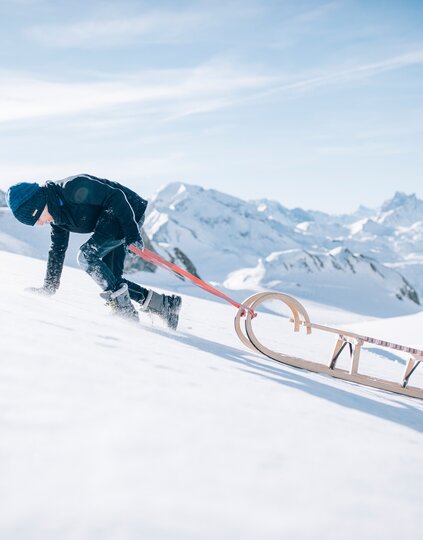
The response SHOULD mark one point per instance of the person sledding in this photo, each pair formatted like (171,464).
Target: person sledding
(114,214)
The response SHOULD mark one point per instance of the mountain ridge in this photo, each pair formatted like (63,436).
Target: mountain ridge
(222,238)
(245,234)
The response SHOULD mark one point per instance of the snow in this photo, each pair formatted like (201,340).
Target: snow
(119,431)
(357,283)
(243,233)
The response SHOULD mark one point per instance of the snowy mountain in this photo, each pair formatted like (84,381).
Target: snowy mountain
(401,211)
(114,430)
(218,232)
(349,260)
(330,278)
(2,198)
(370,260)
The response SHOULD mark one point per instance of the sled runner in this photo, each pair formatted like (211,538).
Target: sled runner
(301,320)
(355,342)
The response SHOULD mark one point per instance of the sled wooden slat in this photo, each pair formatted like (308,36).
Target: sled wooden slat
(356,358)
(356,341)
(411,367)
(366,339)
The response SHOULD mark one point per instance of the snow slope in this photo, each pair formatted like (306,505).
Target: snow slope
(119,431)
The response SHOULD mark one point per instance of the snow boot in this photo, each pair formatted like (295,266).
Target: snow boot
(166,307)
(120,303)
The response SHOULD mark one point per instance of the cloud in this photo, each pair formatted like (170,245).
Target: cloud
(316,13)
(164,26)
(342,75)
(154,27)
(168,93)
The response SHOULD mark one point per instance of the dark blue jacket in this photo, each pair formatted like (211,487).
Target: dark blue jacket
(85,204)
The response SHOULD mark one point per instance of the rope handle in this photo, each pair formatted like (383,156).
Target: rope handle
(159,261)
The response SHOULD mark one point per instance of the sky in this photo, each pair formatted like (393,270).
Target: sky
(316,104)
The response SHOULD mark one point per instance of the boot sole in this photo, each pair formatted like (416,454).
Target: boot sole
(174,317)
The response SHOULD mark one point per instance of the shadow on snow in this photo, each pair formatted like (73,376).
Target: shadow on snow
(402,410)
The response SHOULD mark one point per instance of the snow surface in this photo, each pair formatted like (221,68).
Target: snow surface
(119,431)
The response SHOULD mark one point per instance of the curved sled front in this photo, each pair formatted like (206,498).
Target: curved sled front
(354,342)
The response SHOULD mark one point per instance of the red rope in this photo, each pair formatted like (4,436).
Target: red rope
(163,263)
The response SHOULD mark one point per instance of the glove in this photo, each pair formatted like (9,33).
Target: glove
(139,244)
(41,291)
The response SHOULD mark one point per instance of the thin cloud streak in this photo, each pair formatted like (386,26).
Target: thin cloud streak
(173,92)
(335,77)
(153,27)
(341,76)
(316,13)
(163,26)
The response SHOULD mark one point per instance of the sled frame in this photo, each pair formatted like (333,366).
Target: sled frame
(354,341)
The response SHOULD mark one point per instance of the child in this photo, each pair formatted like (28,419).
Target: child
(114,214)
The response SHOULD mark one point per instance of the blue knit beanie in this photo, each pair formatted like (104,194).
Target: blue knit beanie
(27,202)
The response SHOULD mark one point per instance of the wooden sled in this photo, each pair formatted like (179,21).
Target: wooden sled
(355,342)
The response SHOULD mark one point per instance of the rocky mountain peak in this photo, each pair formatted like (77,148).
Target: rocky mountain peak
(398,200)
(402,210)
(265,244)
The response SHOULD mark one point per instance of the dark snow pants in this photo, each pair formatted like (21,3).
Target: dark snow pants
(103,259)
